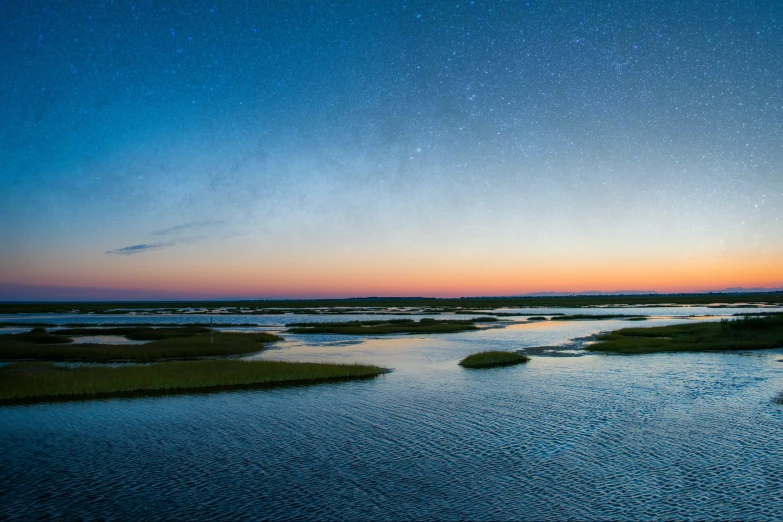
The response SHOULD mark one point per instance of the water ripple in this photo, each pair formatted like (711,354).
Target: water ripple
(664,436)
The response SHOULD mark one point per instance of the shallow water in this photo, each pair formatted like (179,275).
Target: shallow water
(673,436)
(277,321)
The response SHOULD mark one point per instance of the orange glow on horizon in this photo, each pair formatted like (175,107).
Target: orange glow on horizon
(349,277)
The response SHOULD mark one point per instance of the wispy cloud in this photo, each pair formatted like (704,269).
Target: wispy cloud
(140,249)
(182,234)
(158,245)
(187,227)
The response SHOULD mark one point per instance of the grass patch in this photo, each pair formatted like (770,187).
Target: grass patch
(46,381)
(493,359)
(197,345)
(394,326)
(598,317)
(752,333)
(137,333)
(37,335)
(29,324)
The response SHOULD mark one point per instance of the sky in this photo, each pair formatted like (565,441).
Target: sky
(362,148)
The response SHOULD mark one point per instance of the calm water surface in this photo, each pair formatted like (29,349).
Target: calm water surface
(675,436)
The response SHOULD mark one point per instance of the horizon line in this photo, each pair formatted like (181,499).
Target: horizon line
(534,295)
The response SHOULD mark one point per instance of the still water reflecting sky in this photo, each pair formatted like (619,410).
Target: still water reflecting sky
(686,436)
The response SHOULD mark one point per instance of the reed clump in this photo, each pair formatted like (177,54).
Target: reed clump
(492,359)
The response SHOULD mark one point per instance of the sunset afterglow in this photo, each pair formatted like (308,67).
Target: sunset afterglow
(463,150)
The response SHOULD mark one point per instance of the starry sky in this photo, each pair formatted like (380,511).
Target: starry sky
(305,149)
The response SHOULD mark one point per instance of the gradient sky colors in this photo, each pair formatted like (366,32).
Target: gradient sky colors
(295,149)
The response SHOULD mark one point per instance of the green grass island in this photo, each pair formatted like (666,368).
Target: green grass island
(493,359)
(749,333)
(391,326)
(42,381)
(181,359)
(164,343)
(598,317)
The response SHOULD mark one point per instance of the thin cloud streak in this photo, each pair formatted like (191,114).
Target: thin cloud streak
(171,231)
(140,249)
(148,247)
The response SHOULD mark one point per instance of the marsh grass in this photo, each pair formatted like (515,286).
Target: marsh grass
(598,317)
(37,335)
(115,325)
(752,333)
(393,326)
(197,345)
(41,380)
(137,333)
(493,359)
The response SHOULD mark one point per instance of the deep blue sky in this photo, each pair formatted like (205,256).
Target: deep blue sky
(295,143)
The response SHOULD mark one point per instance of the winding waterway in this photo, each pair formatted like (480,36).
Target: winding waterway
(672,436)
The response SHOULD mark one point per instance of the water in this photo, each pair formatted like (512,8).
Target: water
(674,436)
(278,321)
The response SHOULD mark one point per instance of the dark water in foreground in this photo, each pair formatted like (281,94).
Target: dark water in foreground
(674,436)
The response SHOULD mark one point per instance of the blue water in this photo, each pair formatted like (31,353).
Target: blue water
(672,436)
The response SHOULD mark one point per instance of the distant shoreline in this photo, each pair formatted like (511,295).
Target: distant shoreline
(426,304)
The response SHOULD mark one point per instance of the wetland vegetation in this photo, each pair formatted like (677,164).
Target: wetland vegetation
(749,333)
(393,326)
(39,378)
(166,343)
(492,359)
(45,381)
(598,317)
(137,333)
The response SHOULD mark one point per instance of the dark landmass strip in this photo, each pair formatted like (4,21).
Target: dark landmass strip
(444,305)
(48,347)
(23,382)
(501,314)
(394,326)
(38,335)
(751,333)
(30,324)
(493,359)
(598,317)
(137,333)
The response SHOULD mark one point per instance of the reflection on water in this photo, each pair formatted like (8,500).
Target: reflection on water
(670,436)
